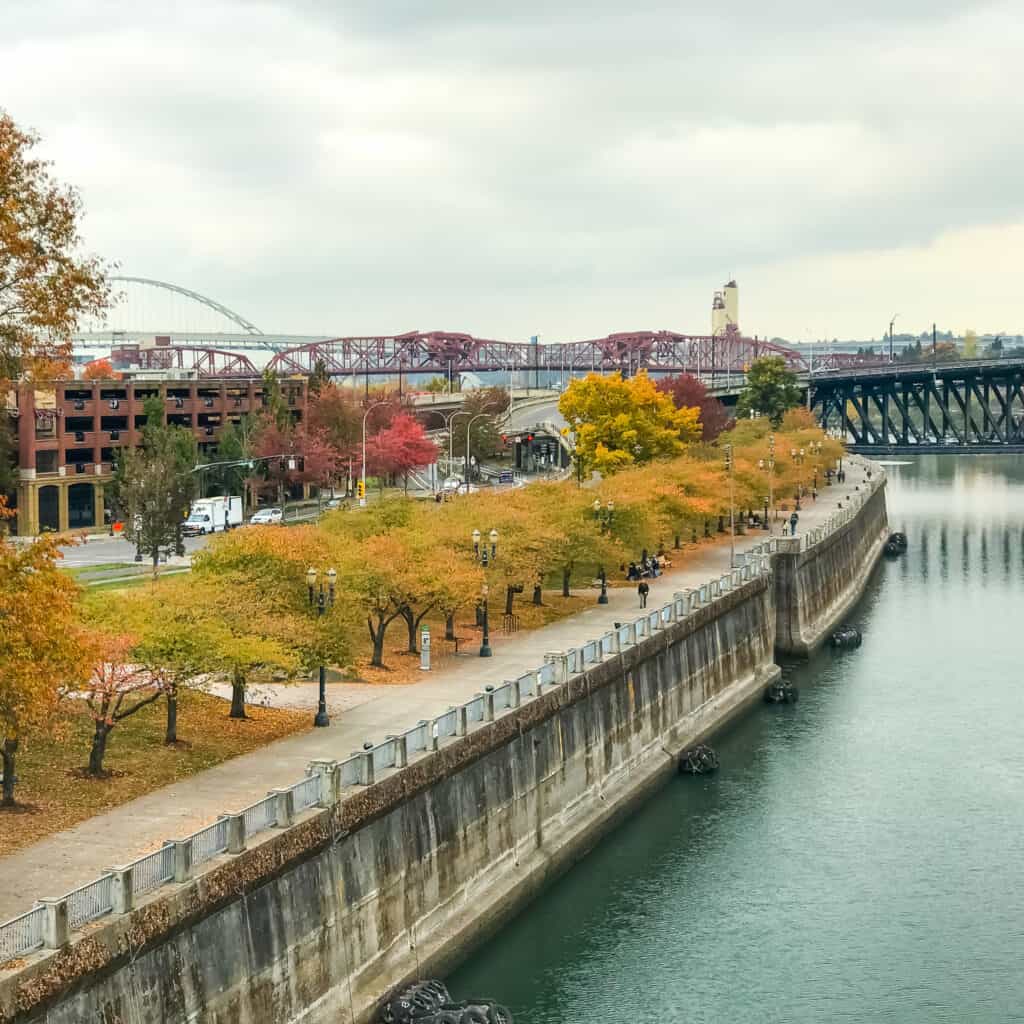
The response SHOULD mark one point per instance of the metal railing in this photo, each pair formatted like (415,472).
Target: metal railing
(28,932)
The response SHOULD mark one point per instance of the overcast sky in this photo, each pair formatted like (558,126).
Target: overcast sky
(565,169)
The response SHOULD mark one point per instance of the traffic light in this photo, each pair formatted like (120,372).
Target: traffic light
(360,489)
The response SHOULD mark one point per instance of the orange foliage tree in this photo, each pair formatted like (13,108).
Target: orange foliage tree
(43,647)
(46,285)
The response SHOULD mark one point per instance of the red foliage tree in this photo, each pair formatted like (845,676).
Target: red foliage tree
(316,460)
(400,448)
(689,393)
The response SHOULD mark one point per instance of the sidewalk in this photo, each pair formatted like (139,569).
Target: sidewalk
(360,712)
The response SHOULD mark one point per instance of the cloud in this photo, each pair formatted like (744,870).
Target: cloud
(572,170)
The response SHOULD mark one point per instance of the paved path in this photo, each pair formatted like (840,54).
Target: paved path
(361,712)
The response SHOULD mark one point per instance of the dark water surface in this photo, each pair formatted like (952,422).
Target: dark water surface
(860,856)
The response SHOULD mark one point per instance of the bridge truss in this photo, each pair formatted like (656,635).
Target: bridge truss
(206,362)
(442,353)
(925,405)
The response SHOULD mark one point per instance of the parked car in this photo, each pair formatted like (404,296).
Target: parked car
(266,516)
(333,503)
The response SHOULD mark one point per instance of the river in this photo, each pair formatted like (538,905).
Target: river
(858,857)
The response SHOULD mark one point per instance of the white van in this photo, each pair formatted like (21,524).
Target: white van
(208,515)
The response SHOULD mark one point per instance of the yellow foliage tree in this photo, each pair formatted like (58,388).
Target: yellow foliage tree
(620,423)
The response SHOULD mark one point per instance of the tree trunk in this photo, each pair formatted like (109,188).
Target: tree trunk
(377,636)
(410,625)
(171,735)
(10,748)
(237,695)
(537,595)
(509,595)
(566,573)
(449,626)
(99,749)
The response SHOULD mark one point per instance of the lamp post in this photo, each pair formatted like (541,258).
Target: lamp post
(603,599)
(485,558)
(369,409)
(732,508)
(892,324)
(320,598)
(469,428)
(604,514)
(485,643)
(769,465)
(767,525)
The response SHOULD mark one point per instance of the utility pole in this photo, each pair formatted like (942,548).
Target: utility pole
(892,324)
(934,350)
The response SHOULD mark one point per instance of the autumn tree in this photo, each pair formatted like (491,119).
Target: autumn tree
(480,416)
(116,690)
(770,390)
(619,423)
(688,392)
(305,456)
(970,344)
(155,487)
(46,284)
(400,448)
(43,648)
(100,369)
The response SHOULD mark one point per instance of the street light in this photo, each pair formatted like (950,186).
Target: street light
(485,644)
(469,428)
(769,465)
(320,598)
(892,324)
(369,409)
(481,554)
(604,513)
(732,507)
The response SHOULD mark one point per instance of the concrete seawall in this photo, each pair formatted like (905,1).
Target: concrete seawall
(317,922)
(817,586)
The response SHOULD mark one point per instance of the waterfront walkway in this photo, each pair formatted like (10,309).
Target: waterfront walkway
(360,712)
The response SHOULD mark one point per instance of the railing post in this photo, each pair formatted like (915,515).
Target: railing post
(182,859)
(284,807)
(401,751)
(330,780)
(55,923)
(236,832)
(488,706)
(120,889)
(514,696)
(366,768)
(560,661)
(616,646)
(461,721)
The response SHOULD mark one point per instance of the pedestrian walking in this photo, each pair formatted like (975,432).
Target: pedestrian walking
(643,590)
(793,519)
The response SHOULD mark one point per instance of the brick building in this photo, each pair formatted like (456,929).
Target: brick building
(66,434)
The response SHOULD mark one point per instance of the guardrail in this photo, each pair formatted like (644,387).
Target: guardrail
(49,923)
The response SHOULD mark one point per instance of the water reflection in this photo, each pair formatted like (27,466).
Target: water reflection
(857,857)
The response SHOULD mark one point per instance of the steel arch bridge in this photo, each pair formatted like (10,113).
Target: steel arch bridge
(237,318)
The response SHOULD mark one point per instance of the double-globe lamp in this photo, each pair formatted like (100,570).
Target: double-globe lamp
(319,598)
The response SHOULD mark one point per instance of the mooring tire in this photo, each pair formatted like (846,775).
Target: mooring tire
(475,1015)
